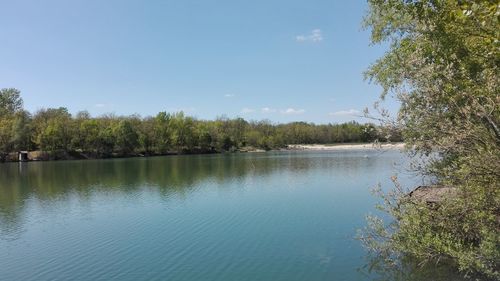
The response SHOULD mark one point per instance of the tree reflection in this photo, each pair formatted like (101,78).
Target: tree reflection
(22,184)
(409,269)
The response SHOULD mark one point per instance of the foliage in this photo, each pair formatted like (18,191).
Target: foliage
(13,122)
(126,136)
(443,66)
(10,101)
(55,129)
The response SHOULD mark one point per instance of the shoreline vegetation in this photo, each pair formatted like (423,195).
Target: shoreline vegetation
(56,134)
(80,155)
(442,64)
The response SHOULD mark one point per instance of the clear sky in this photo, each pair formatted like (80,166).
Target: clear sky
(283,60)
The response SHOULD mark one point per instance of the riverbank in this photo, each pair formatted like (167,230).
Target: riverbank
(76,155)
(351,146)
(60,155)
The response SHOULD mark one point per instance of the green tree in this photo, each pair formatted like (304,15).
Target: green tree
(162,132)
(106,141)
(5,137)
(53,129)
(126,137)
(146,134)
(78,138)
(21,130)
(10,101)
(443,66)
(14,123)
(89,132)
(204,136)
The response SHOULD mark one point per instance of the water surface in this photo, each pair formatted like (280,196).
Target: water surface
(261,216)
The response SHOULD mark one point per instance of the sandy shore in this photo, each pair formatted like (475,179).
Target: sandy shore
(363,146)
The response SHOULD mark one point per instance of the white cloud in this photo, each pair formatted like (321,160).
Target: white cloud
(345,112)
(247,110)
(292,111)
(183,109)
(315,36)
(288,111)
(228,95)
(268,110)
(99,105)
(190,109)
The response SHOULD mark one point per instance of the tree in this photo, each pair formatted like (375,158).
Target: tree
(369,133)
(80,133)
(162,132)
(146,134)
(13,122)
(5,137)
(89,132)
(126,137)
(10,101)
(204,136)
(21,130)
(53,129)
(106,141)
(443,66)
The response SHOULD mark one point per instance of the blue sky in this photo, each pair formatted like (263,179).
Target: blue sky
(281,60)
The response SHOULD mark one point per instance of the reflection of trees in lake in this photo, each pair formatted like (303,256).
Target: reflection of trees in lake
(172,175)
(409,270)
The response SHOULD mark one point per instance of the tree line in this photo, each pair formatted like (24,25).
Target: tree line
(56,129)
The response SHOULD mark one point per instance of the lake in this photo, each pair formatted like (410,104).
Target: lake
(254,216)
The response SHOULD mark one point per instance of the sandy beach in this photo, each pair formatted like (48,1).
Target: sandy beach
(362,146)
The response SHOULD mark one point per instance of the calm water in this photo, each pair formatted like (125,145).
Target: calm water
(264,216)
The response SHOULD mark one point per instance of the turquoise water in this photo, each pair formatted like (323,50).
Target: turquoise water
(255,216)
